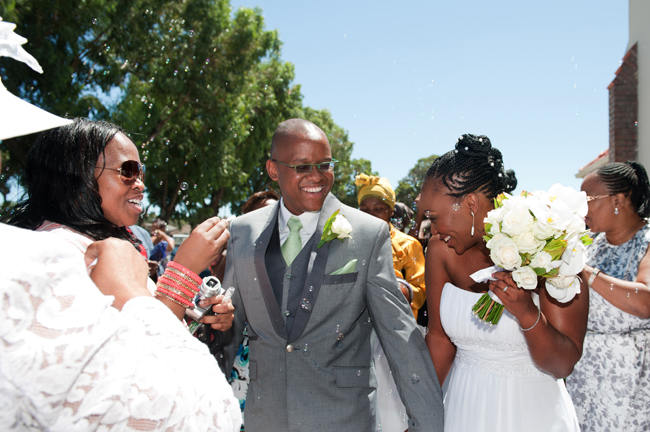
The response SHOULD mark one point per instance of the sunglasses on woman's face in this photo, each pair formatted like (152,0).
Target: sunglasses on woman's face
(129,171)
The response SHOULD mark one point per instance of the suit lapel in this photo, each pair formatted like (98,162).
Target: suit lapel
(316,271)
(261,244)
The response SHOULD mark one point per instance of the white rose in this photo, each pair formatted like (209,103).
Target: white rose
(563,288)
(517,218)
(574,200)
(504,252)
(494,218)
(544,261)
(544,230)
(527,242)
(341,227)
(576,224)
(525,277)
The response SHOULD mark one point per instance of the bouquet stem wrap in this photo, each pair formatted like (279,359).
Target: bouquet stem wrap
(487,308)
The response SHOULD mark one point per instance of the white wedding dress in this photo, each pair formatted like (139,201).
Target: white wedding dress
(493,384)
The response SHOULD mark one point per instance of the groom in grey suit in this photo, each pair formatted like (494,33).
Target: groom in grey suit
(310,300)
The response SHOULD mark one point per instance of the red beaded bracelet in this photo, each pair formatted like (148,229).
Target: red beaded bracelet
(173,296)
(185,271)
(167,279)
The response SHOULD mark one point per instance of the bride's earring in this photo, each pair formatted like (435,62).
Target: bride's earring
(455,207)
(471,232)
(615,210)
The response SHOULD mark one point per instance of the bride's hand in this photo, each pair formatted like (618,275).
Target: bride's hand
(516,300)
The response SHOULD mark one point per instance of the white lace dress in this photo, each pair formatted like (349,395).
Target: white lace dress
(493,384)
(71,362)
(610,385)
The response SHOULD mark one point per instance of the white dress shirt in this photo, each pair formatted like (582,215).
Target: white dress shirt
(309,223)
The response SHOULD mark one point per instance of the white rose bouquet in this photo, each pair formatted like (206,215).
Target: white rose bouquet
(540,234)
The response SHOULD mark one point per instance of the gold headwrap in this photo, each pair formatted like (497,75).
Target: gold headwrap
(378,187)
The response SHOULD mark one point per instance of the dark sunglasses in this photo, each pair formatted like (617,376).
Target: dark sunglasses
(307,168)
(129,171)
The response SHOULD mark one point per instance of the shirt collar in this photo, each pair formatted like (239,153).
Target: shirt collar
(309,219)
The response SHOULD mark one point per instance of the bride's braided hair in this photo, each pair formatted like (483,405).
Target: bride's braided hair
(474,166)
(631,179)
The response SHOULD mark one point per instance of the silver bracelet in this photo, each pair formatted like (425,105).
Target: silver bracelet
(539,315)
(594,275)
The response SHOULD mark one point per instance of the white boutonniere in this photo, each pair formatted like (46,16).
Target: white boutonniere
(336,227)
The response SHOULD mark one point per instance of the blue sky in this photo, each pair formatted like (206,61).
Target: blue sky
(405,79)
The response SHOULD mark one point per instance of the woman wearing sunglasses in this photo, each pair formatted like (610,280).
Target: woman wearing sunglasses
(85,183)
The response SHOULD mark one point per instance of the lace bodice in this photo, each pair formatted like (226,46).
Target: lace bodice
(71,362)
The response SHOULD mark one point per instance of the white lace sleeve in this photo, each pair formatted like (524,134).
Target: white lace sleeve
(70,362)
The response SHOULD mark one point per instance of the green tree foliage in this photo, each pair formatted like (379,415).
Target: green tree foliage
(409,187)
(199,89)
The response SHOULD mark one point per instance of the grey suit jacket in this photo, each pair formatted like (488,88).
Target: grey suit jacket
(318,375)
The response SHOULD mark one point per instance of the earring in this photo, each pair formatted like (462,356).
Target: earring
(471,232)
(615,210)
(455,206)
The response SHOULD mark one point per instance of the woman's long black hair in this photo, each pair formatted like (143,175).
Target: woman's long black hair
(473,166)
(60,180)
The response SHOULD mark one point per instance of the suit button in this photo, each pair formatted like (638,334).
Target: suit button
(289,348)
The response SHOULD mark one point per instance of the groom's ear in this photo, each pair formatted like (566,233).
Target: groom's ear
(272,170)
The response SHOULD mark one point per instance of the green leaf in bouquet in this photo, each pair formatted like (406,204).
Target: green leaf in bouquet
(498,201)
(539,271)
(488,227)
(555,248)
(586,240)
(554,272)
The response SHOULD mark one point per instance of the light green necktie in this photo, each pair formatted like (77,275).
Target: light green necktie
(292,245)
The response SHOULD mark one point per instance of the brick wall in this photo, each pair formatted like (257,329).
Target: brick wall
(623,110)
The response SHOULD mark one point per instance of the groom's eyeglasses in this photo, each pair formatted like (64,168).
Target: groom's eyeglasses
(129,171)
(306,168)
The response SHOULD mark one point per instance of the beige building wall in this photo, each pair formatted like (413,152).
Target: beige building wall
(639,14)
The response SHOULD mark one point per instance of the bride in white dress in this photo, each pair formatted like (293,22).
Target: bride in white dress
(507,377)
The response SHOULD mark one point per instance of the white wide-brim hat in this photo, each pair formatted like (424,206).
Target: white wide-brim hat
(18,117)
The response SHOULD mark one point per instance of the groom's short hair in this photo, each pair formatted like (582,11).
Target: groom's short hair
(294,127)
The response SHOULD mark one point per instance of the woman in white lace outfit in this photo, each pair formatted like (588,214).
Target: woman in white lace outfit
(506,377)
(85,183)
(610,386)
(77,358)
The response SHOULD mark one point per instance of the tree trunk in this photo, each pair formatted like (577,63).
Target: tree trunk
(215,201)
